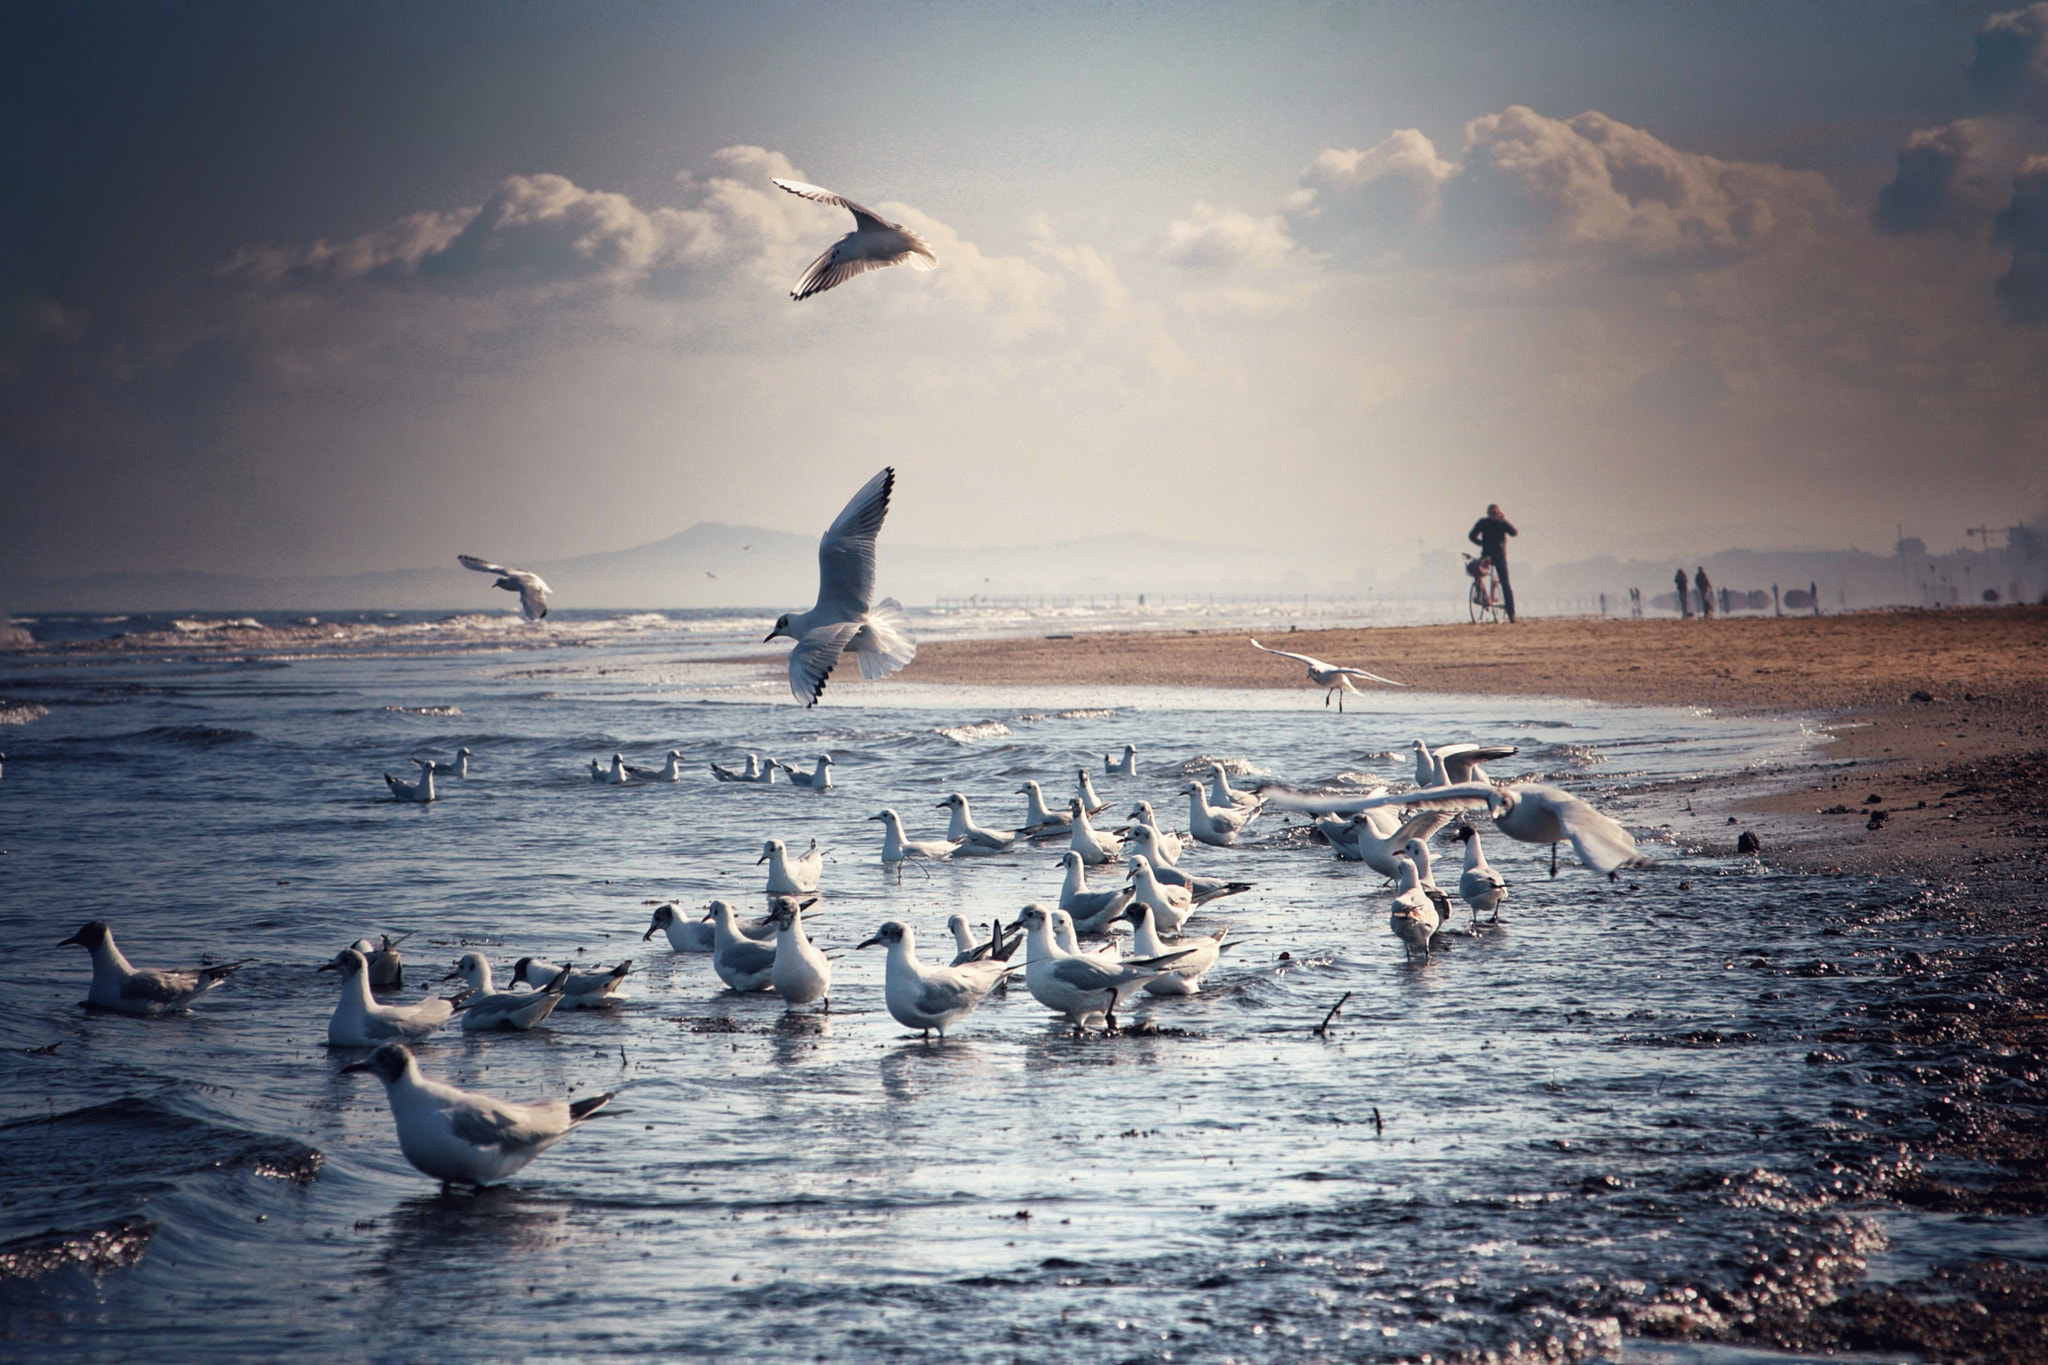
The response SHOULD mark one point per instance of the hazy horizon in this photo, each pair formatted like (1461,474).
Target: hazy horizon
(329,289)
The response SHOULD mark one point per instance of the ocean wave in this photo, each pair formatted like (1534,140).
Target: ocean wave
(426,710)
(20,712)
(1086,713)
(115,1246)
(194,626)
(193,736)
(967,734)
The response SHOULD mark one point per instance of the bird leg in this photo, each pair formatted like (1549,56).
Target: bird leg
(1553,859)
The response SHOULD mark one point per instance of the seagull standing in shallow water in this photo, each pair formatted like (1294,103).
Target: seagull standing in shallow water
(926,997)
(874,244)
(462,1137)
(1333,678)
(533,592)
(846,619)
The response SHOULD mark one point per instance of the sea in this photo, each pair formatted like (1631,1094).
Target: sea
(1607,1130)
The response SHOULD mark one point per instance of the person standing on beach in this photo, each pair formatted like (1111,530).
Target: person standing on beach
(1684,594)
(1490,533)
(1699,579)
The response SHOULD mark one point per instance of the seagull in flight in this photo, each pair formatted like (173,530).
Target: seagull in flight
(874,244)
(843,621)
(533,592)
(1333,678)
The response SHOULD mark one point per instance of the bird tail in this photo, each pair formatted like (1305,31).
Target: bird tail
(884,645)
(580,1110)
(224,970)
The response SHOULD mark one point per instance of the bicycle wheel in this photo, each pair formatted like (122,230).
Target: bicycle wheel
(1475,602)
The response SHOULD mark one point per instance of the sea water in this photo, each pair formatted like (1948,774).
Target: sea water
(1607,1109)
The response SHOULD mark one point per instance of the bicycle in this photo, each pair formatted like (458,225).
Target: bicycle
(1483,601)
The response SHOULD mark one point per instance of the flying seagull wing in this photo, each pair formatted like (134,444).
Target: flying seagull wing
(846,554)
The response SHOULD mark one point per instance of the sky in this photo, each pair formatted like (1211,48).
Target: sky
(324,288)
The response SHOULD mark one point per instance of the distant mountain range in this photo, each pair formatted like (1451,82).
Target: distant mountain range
(715,565)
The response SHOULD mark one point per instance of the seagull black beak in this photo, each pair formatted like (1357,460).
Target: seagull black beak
(363,1065)
(868,944)
(762,859)
(771,637)
(649,934)
(73,939)
(328,967)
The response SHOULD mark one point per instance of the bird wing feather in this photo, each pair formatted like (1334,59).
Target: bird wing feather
(846,554)
(814,657)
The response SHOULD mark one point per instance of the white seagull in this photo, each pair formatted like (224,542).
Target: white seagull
(1068,939)
(488,1008)
(1360,842)
(753,772)
(817,779)
(791,876)
(462,1137)
(1165,847)
(359,1021)
(1185,976)
(699,935)
(742,963)
(1094,804)
(141,990)
(421,791)
(846,619)
(1418,911)
(970,837)
(898,846)
(1533,813)
(1095,846)
(618,775)
(1479,886)
(580,990)
(1333,678)
(1080,988)
(1092,910)
(1211,825)
(874,244)
(1127,766)
(1454,763)
(458,766)
(1043,819)
(533,593)
(1221,793)
(669,771)
(800,973)
(926,997)
(1170,905)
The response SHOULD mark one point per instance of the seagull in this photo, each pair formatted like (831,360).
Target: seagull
(1363,845)
(787,877)
(970,837)
(460,766)
(1534,813)
(1068,940)
(359,1021)
(1479,885)
(753,772)
(874,244)
(742,963)
(1203,889)
(463,1137)
(1092,910)
(800,973)
(1080,988)
(1455,763)
(1333,678)
(141,990)
(421,791)
(615,776)
(699,936)
(1094,804)
(897,846)
(817,779)
(1185,976)
(670,771)
(1222,794)
(1094,846)
(1166,847)
(843,621)
(387,968)
(968,949)
(489,1008)
(1219,827)
(533,593)
(1127,766)
(580,990)
(1417,911)
(1044,819)
(597,774)
(1171,905)
(929,997)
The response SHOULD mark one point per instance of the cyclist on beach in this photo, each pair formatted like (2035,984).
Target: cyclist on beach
(1490,534)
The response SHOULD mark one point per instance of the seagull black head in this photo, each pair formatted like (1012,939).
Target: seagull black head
(91,936)
(889,935)
(387,1063)
(348,962)
(781,628)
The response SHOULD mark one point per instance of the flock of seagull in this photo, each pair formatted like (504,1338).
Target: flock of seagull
(1072,960)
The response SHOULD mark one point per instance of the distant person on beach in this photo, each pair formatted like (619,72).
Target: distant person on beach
(1490,533)
(1684,594)
(1813,591)
(1699,579)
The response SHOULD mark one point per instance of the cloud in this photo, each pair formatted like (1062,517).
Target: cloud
(1949,178)
(2022,228)
(1405,157)
(1219,240)
(2010,69)
(1606,185)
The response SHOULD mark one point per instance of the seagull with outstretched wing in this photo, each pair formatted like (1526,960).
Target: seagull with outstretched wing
(846,619)
(1333,678)
(533,592)
(874,244)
